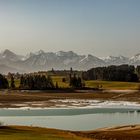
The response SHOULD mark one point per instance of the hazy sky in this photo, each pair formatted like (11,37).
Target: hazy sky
(99,27)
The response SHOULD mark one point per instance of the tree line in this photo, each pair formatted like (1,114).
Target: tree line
(37,82)
(42,82)
(124,73)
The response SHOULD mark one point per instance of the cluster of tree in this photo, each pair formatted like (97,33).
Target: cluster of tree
(75,81)
(112,73)
(39,82)
(3,82)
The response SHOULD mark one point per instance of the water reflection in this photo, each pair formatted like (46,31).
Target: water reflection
(84,119)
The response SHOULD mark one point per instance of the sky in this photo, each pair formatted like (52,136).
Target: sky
(98,27)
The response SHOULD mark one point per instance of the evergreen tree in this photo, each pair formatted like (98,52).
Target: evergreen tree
(12,84)
(56,85)
(3,82)
(75,82)
(37,82)
(21,82)
(71,70)
(112,73)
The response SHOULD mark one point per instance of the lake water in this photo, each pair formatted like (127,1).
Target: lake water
(71,119)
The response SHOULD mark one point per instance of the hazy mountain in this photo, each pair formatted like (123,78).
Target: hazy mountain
(10,56)
(10,60)
(113,60)
(5,69)
(47,60)
(37,61)
(90,61)
(135,60)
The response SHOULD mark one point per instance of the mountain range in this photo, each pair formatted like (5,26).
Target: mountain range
(42,61)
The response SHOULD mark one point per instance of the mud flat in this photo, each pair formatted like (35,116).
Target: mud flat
(18,99)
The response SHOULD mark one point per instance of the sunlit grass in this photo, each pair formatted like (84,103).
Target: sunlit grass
(61,84)
(17,82)
(29,133)
(112,84)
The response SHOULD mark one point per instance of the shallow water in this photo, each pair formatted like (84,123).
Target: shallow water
(71,119)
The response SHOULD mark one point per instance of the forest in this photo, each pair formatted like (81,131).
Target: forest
(125,73)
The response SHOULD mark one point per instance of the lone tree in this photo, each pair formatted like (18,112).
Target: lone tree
(71,70)
(21,81)
(56,85)
(12,85)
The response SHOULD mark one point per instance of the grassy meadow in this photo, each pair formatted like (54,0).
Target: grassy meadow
(59,80)
(96,83)
(92,83)
(35,133)
(113,85)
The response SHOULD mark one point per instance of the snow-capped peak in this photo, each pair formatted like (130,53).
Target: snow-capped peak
(62,60)
(135,57)
(39,52)
(9,55)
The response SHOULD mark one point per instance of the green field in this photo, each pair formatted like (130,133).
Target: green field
(61,84)
(113,85)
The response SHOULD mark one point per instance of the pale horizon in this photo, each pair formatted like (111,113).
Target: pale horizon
(98,27)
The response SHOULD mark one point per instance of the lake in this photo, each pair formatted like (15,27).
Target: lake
(71,119)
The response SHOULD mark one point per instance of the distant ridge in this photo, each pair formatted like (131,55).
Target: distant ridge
(41,60)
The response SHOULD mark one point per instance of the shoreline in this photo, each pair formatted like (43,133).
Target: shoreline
(70,104)
(128,132)
(17,99)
